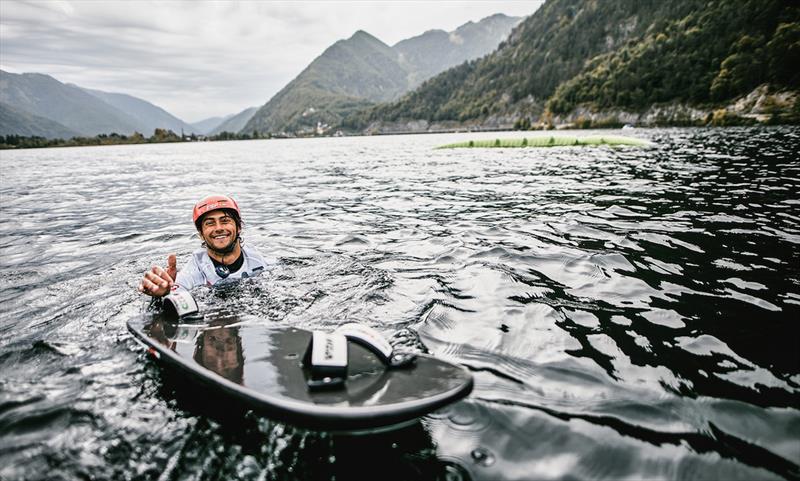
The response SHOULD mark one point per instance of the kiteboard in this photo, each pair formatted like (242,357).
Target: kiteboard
(348,379)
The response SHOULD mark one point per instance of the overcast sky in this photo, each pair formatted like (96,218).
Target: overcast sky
(204,59)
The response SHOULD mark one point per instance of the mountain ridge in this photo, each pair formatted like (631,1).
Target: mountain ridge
(206,125)
(147,116)
(355,73)
(80,110)
(44,96)
(234,123)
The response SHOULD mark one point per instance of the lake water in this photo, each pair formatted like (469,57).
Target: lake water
(628,313)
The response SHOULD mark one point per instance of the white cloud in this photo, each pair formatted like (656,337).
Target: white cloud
(202,59)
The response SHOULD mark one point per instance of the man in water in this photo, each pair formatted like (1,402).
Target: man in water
(218,222)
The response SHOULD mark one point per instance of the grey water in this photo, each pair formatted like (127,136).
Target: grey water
(628,313)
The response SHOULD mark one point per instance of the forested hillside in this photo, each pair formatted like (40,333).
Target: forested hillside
(713,54)
(590,55)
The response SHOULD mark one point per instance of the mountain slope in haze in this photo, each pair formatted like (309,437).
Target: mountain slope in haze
(44,96)
(361,67)
(147,117)
(577,55)
(85,112)
(436,50)
(234,123)
(207,125)
(349,75)
(15,122)
(355,73)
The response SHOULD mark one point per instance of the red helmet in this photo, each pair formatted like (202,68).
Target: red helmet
(214,202)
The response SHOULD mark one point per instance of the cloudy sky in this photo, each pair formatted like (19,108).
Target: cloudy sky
(203,59)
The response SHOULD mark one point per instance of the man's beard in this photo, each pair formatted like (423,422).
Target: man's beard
(227,249)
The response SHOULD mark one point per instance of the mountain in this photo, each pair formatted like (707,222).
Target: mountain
(147,117)
(207,125)
(82,111)
(16,122)
(44,96)
(582,56)
(360,71)
(436,50)
(349,75)
(234,123)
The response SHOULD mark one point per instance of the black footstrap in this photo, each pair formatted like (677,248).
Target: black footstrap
(326,354)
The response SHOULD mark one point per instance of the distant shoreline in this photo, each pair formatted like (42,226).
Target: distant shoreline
(723,119)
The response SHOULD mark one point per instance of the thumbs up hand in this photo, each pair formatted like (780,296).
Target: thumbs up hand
(158,282)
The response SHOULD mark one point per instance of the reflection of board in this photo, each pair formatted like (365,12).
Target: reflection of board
(263,367)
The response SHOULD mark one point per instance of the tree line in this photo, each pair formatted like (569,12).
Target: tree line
(159,136)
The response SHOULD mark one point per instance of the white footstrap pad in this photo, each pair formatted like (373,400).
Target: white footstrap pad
(329,352)
(182,302)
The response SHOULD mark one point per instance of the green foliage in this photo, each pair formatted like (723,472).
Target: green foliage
(28,142)
(164,135)
(783,54)
(522,124)
(715,53)
(159,136)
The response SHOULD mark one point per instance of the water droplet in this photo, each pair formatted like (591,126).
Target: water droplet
(464,415)
(483,457)
(468,416)
(454,472)
(331,459)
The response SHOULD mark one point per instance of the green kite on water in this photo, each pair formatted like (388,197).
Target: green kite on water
(551,141)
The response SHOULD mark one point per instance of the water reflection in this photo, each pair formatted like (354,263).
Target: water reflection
(214,345)
(219,349)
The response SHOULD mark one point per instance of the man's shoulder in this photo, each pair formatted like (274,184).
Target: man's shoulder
(253,253)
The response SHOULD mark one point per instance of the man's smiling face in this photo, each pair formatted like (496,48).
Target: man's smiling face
(219,230)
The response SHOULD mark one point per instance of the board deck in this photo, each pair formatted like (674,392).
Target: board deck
(262,366)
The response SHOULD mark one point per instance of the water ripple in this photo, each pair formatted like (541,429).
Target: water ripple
(627,313)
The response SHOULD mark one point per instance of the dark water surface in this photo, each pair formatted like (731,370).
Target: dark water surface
(627,313)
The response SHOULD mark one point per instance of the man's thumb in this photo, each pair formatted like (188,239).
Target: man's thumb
(172,266)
